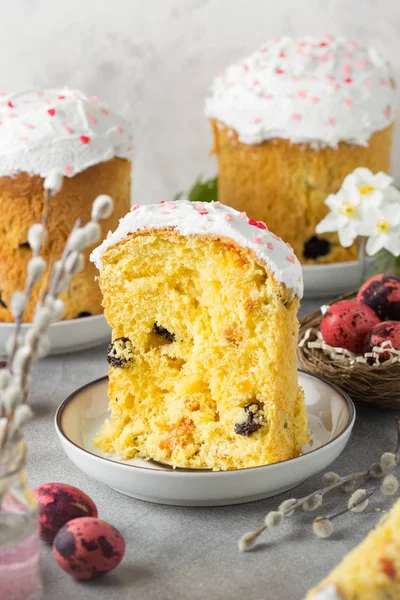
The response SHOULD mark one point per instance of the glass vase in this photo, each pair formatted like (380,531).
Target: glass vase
(20,577)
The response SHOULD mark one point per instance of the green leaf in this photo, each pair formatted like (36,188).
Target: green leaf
(385,262)
(201,191)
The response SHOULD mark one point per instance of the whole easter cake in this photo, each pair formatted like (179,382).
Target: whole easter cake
(290,122)
(57,132)
(202,302)
(371,571)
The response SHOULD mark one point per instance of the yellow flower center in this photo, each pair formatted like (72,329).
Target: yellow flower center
(366,189)
(347,209)
(383,226)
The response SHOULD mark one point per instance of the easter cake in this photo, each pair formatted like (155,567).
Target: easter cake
(290,122)
(371,571)
(63,133)
(202,302)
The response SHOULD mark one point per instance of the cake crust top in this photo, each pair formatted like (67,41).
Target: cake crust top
(59,130)
(312,90)
(212,219)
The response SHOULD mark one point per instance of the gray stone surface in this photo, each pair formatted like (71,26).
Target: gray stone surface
(175,553)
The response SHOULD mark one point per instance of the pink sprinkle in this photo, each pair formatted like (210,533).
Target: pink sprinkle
(336,85)
(316,99)
(11,115)
(258,240)
(228,217)
(323,44)
(134,207)
(348,101)
(368,83)
(332,121)
(268,96)
(67,129)
(280,71)
(23,138)
(91,118)
(276,237)
(282,55)
(203,212)
(94,99)
(51,111)
(105,111)
(10,104)
(39,94)
(349,55)
(346,68)
(164,212)
(291,258)
(289,246)
(29,125)
(75,95)
(256,121)
(170,205)
(328,37)
(384,82)
(68,169)
(120,129)
(256,82)
(301,94)
(270,246)
(348,80)
(46,101)
(61,97)
(218,203)
(243,215)
(329,76)
(322,58)
(387,112)
(296,116)
(161,202)
(198,206)
(109,234)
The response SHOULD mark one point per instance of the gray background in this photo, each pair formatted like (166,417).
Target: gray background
(175,553)
(155,59)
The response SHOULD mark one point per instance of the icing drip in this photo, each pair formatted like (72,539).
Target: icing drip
(320,91)
(58,131)
(216,219)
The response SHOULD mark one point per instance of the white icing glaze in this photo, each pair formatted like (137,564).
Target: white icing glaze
(329,592)
(320,91)
(212,218)
(59,131)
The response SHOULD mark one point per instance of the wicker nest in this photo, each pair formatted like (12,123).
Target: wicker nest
(370,384)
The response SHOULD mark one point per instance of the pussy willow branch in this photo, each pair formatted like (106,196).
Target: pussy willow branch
(29,285)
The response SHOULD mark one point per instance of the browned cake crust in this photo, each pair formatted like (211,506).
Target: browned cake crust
(21,202)
(285,184)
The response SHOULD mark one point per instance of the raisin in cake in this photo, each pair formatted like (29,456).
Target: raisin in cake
(202,302)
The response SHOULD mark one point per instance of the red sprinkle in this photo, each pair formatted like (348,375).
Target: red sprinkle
(51,111)
(68,169)
(323,44)
(84,139)
(348,80)
(252,222)
(61,97)
(270,246)
(105,111)
(10,104)
(280,71)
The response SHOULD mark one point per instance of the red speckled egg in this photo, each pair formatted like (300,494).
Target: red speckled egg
(346,324)
(88,548)
(388,330)
(382,294)
(58,504)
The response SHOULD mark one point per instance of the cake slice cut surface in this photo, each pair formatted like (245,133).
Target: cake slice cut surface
(202,302)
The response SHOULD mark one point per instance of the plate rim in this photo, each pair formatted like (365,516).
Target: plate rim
(9,325)
(193,472)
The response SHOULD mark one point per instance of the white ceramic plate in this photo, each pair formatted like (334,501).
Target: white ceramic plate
(67,336)
(331,418)
(331,280)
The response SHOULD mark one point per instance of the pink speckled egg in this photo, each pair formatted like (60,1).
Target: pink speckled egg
(88,548)
(58,504)
(382,294)
(388,330)
(346,324)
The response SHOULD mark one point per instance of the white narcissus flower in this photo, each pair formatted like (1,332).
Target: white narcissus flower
(384,229)
(369,185)
(346,216)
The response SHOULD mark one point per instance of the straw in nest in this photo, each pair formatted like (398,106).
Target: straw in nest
(377,384)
